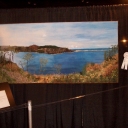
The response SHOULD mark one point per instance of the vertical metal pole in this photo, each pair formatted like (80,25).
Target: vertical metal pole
(30,114)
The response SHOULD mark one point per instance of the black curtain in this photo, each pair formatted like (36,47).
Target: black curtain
(101,109)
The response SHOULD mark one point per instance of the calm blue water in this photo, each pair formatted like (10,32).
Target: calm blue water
(72,62)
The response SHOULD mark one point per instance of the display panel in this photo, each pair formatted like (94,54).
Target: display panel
(6,97)
(59,52)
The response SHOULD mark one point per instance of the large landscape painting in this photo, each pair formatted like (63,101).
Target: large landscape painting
(62,52)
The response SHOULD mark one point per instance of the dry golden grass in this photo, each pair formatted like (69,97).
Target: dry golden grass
(95,73)
(104,70)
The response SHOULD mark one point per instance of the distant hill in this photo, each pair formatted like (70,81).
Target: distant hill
(48,49)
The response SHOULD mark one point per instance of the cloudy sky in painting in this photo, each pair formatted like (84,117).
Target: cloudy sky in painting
(62,34)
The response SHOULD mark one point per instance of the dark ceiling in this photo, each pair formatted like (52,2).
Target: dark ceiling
(56,3)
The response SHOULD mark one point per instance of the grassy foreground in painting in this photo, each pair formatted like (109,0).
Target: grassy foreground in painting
(106,72)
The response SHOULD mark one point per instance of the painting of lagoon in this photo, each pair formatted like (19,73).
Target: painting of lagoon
(62,52)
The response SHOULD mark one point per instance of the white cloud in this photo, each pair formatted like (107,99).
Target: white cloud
(56,34)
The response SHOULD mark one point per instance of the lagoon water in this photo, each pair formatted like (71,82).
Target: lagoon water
(70,62)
